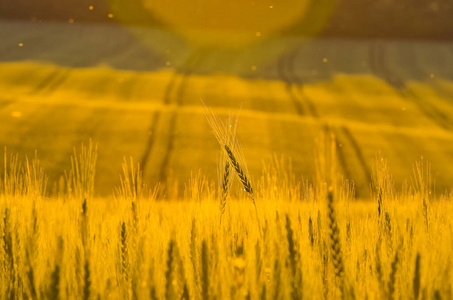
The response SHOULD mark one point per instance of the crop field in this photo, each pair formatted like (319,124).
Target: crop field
(72,82)
(138,166)
(221,242)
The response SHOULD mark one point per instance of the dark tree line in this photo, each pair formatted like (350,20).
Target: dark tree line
(350,18)
(392,18)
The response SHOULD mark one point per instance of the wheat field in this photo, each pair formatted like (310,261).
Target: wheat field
(332,222)
(286,239)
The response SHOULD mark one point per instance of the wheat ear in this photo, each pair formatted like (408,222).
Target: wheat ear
(337,257)
(240,173)
(243,179)
(225,187)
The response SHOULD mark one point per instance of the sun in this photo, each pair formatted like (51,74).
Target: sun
(230,23)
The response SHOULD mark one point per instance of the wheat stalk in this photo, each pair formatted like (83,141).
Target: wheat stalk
(416,281)
(225,188)
(296,280)
(124,252)
(388,233)
(8,251)
(169,292)
(87,280)
(335,245)
(151,282)
(311,236)
(226,136)
(392,281)
(193,252)
(81,178)
(277,280)
(258,260)
(263,293)
(379,273)
(204,271)
(54,288)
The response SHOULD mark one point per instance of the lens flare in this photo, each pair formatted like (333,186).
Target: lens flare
(234,22)
(234,29)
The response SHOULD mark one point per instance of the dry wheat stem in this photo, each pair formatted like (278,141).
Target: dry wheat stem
(225,187)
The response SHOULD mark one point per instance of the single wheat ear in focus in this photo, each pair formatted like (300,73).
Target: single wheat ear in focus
(225,133)
(224,166)
(240,173)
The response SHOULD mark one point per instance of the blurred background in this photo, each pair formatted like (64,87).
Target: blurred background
(131,75)
(347,18)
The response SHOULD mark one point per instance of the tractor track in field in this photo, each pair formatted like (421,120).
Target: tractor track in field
(150,141)
(376,61)
(305,107)
(284,72)
(294,85)
(358,152)
(379,67)
(56,78)
(341,157)
(342,134)
(52,81)
(174,95)
(344,137)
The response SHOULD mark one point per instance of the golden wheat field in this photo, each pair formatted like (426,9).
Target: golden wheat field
(212,150)
(284,240)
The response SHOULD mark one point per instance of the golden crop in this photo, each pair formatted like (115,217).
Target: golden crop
(302,241)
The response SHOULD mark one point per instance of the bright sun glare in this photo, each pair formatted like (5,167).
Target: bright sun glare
(231,23)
